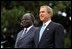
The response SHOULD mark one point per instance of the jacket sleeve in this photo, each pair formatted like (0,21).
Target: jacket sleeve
(59,37)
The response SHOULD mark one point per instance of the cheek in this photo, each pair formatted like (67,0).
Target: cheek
(42,17)
(47,16)
(23,22)
(28,22)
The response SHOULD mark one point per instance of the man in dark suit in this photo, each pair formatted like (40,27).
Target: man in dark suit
(50,34)
(25,37)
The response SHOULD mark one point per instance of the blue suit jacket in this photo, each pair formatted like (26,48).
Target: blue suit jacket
(27,40)
(53,36)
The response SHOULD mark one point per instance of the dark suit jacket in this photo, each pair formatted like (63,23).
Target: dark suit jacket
(53,37)
(27,40)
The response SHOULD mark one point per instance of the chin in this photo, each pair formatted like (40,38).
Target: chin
(41,19)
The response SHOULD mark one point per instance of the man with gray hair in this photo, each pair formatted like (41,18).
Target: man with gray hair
(50,34)
(25,37)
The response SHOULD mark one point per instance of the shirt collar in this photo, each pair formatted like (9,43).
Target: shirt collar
(47,23)
(28,27)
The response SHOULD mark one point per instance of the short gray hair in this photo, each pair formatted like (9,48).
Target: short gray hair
(49,9)
(30,15)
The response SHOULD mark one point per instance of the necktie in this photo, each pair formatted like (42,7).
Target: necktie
(24,32)
(41,31)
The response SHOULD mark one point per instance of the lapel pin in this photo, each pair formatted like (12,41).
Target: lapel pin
(47,28)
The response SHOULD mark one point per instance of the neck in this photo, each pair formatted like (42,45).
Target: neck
(46,20)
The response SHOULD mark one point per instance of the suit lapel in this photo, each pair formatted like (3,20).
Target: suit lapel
(38,35)
(19,35)
(45,31)
(29,32)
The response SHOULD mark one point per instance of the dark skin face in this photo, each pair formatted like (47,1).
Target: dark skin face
(26,21)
